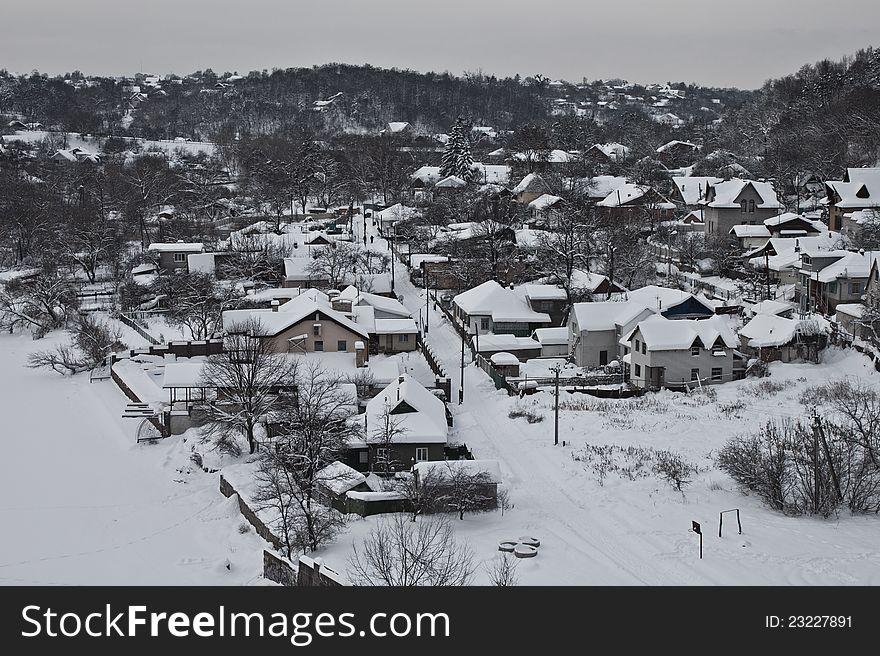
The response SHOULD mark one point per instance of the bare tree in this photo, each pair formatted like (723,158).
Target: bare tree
(91,340)
(248,377)
(196,302)
(41,303)
(334,262)
(502,571)
(400,553)
(383,439)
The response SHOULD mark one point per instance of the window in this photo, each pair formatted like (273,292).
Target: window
(751,206)
(638,346)
(421,453)
(855,288)
(695,350)
(638,370)
(603,358)
(341,345)
(644,348)
(716,373)
(364,457)
(382,454)
(695,374)
(316,330)
(743,206)
(403,338)
(319,345)
(484,324)
(832,287)
(179,257)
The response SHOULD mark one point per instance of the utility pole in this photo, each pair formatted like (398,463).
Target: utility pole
(555,370)
(461,383)
(391,246)
(767,271)
(427,299)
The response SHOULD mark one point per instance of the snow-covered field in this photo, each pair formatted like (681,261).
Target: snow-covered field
(82,504)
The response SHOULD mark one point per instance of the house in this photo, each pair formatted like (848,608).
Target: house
(397,128)
(789,224)
(859,190)
(489,344)
(750,237)
(680,354)
(773,308)
(553,341)
(677,152)
(450,184)
(690,190)
(547,299)
(829,278)
(736,202)
(506,364)
(545,210)
(781,257)
(595,329)
(388,217)
(529,188)
(337,479)
(600,187)
(773,338)
(849,316)
(491,308)
(304,324)
(173,255)
(482,478)
(587,283)
(404,424)
(632,199)
(298,273)
(607,153)
(854,223)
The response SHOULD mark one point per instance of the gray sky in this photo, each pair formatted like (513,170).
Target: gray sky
(740,43)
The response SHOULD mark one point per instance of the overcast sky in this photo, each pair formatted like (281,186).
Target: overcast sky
(739,43)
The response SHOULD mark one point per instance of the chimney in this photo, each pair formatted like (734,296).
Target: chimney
(275,304)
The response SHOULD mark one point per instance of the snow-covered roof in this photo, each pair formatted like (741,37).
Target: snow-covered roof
(742,231)
(693,188)
(552,336)
(772,307)
(614,151)
(607,315)
(555,156)
(290,314)
(451,182)
(502,304)
(544,201)
(543,292)
(383,303)
(417,259)
(397,212)
(176,247)
(624,194)
(491,342)
(503,358)
(339,478)
(727,192)
(850,266)
(273,293)
(396,327)
(861,190)
(427,424)
(676,142)
(601,185)
(397,126)
(532,183)
(183,374)
(661,334)
(444,469)
(766,330)
(586,280)
(850,309)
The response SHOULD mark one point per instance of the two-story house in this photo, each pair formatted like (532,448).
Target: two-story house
(681,354)
(738,202)
(173,256)
(859,190)
(827,279)
(491,308)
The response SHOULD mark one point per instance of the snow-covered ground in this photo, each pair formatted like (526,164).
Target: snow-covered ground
(82,504)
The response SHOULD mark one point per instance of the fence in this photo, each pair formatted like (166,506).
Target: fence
(575,381)
(188,349)
(253,519)
(131,323)
(497,377)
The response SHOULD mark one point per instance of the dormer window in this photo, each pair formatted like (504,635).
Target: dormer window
(863,192)
(751,206)
(744,205)
(695,350)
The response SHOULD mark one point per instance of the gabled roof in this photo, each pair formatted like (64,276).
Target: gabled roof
(860,188)
(543,202)
(176,247)
(850,266)
(531,183)
(383,303)
(503,305)
(426,425)
(693,188)
(743,231)
(767,330)
(661,334)
(675,143)
(451,182)
(290,314)
(727,193)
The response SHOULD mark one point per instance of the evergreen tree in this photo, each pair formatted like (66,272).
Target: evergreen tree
(457,158)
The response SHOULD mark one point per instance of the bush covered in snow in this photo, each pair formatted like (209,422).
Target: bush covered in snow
(636,462)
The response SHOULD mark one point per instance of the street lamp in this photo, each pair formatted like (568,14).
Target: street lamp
(461,382)
(391,244)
